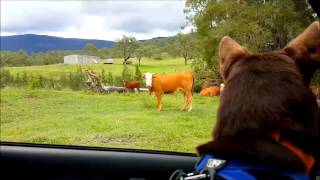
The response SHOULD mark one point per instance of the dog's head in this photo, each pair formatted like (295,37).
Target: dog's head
(264,94)
(269,92)
(304,50)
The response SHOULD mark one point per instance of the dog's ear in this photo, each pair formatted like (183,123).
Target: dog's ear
(229,52)
(305,50)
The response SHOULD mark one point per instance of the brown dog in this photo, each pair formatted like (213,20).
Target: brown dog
(268,114)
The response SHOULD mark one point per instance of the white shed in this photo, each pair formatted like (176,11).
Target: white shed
(81,59)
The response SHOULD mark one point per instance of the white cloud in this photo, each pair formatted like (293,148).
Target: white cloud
(36,15)
(107,20)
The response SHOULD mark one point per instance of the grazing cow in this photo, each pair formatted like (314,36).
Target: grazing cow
(131,85)
(210,91)
(267,113)
(169,83)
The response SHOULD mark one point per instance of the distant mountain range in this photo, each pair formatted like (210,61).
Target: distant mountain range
(43,43)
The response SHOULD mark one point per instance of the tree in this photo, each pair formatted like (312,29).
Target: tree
(126,47)
(22,57)
(139,54)
(5,59)
(104,52)
(141,51)
(185,45)
(19,58)
(256,25)
(90,49)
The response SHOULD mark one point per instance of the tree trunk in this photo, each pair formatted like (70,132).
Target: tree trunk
(139,60)
(185,56)
(125,60)
(124,55)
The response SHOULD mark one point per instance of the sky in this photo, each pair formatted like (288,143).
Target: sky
(105,20)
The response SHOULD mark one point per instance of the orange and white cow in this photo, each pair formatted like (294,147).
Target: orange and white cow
(168,83)
(210,91)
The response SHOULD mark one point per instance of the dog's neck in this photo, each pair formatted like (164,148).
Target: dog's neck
(307,159)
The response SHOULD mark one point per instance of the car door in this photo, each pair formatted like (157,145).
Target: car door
(32,161)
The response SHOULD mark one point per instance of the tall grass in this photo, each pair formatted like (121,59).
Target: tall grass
(75,80)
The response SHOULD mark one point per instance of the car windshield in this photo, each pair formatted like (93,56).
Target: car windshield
(109,73)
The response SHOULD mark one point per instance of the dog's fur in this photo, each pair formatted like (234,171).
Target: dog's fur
(266,93)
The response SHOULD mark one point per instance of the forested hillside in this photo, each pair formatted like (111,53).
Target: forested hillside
(32,43)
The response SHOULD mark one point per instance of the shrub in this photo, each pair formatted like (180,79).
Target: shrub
(6,78)
(34,82)
(63,81)
(76,80)
(126,73)
(110,79)
(42,81)
(73,80)
(21,79)
(24,78)
(138,73)
(52,83)
(103,77)
(118,81)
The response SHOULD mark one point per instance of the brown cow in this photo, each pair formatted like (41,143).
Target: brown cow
(169,83)
(210,82)
(267,112)
(131,85)
(210,91)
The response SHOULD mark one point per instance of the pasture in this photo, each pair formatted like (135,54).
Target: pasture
(147,65)
(105,120)
(85,118)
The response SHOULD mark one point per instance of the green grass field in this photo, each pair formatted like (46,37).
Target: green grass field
(147,65)
(108,120)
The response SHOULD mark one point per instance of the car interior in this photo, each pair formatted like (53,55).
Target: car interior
(30,161)
(68,162)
